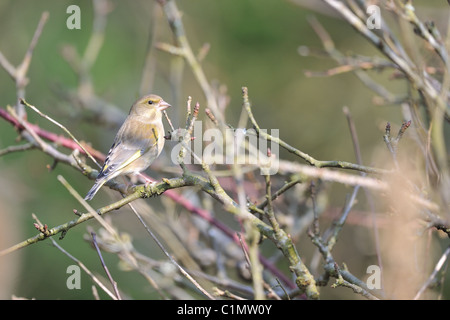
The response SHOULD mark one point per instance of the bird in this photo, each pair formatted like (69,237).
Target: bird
(137,144)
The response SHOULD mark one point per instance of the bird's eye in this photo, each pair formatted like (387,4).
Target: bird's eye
(150,102)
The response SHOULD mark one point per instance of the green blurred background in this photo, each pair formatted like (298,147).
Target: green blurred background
(253,43)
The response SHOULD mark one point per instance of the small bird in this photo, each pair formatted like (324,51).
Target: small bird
(137,144)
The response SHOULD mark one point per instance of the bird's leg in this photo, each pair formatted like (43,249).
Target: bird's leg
(147,179)
(128,183)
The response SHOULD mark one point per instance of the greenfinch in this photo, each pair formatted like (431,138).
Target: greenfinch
(137,144)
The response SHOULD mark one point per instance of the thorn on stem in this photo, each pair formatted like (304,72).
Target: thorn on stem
(196,109)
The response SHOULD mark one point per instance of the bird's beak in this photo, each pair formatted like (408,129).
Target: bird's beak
(163,105)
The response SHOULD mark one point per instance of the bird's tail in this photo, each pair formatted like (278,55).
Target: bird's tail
(94,189)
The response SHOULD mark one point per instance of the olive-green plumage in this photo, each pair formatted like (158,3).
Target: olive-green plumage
(138,142)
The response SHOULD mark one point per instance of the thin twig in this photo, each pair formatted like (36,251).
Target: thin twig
(61,127)
(86,205)
(304,156)
(184,49)
(168,255)
(82,266)
(368,194)
(437,268)
(11,149)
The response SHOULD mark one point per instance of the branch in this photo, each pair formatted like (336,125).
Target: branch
(19,73)
(395,56)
